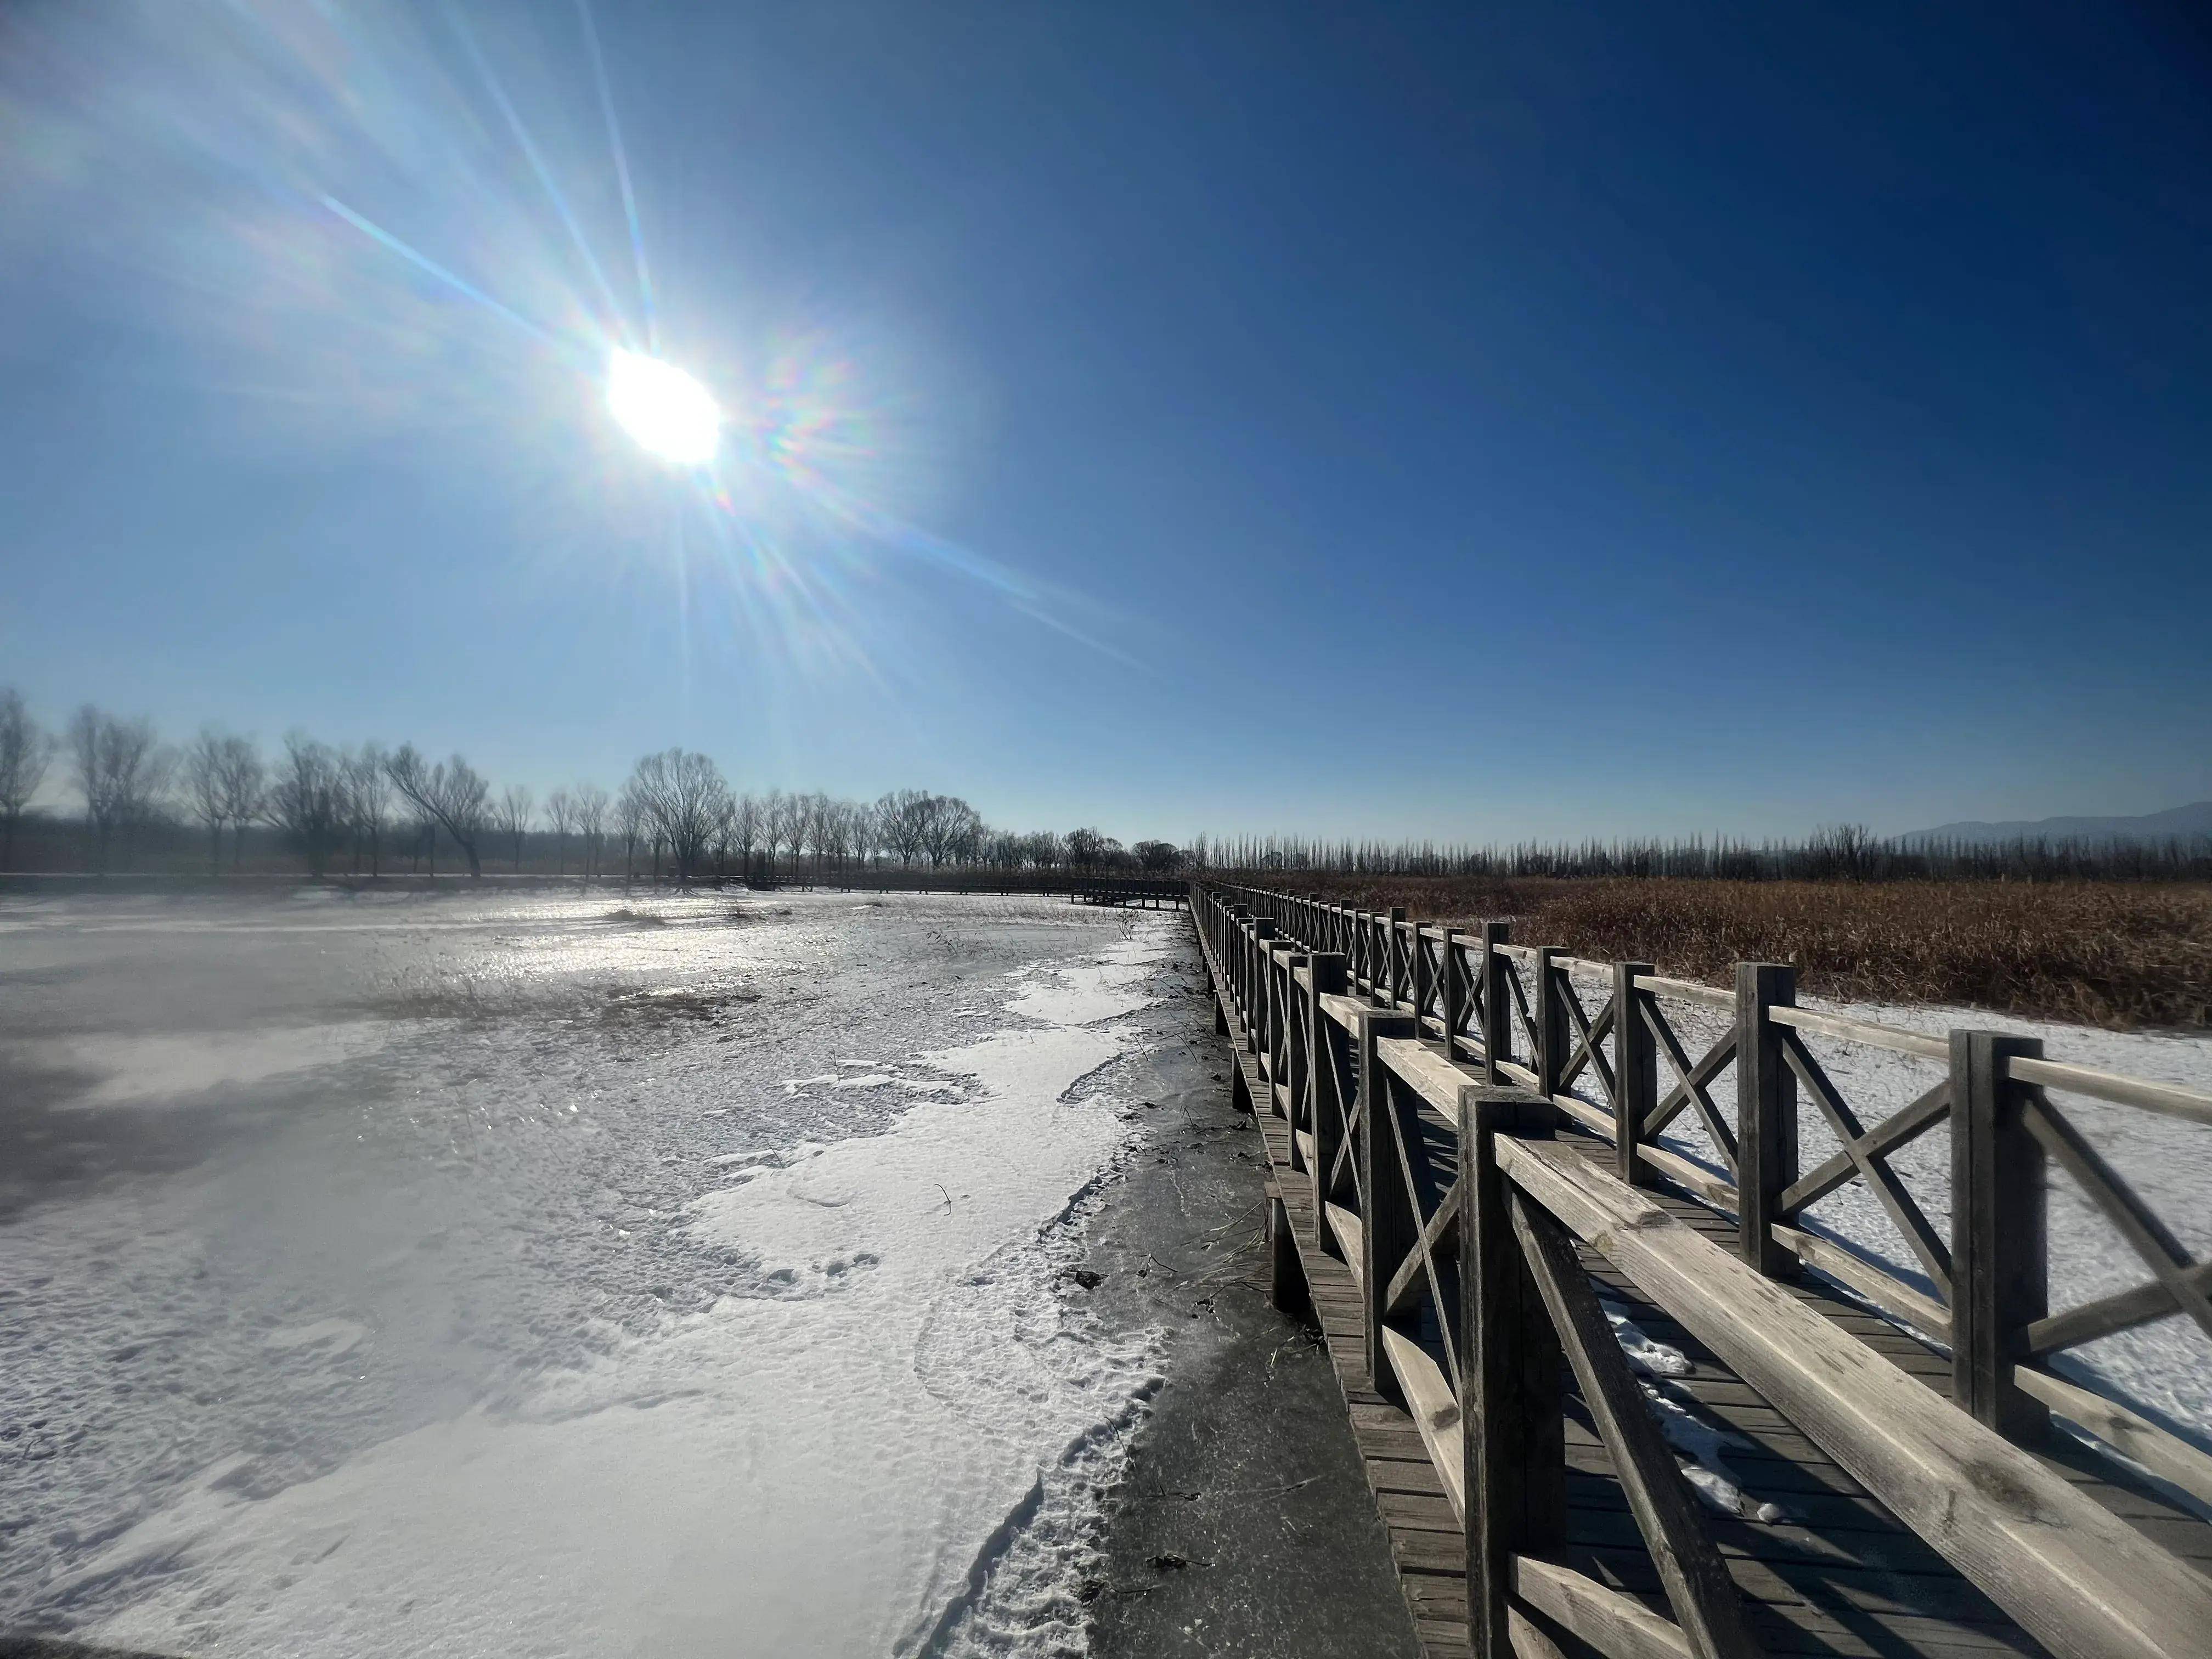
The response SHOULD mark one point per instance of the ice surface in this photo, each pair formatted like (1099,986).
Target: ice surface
(170,1066)
(882,1425)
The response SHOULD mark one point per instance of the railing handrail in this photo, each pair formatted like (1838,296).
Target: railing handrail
(2114,1088)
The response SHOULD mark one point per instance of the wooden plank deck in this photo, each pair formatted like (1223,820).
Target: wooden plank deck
(1839,1575)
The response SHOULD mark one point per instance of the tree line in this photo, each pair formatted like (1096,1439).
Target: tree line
(1836,853)
(365,805)
(677,816)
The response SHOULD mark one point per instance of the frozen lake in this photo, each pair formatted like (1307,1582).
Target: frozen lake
(558,1275)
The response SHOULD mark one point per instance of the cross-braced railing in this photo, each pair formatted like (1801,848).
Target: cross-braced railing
(1463,1218)
(1743,1099)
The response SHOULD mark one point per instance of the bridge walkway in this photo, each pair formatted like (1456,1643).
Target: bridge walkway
(1837,1574)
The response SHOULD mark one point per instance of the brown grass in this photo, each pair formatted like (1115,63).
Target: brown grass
(2116,954)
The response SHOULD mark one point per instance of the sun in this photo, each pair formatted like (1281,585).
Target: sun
(668,412)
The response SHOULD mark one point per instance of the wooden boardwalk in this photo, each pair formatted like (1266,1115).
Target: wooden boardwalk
(1838,1573)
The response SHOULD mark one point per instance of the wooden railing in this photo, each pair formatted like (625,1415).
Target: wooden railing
(1424,1074)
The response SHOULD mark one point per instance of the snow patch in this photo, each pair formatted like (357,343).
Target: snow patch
(1698,1448)
(1653,1358)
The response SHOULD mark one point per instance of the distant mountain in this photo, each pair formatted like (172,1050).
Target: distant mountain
(2185,821)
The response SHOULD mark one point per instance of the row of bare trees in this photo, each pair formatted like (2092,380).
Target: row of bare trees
(1842,852)
(676,813)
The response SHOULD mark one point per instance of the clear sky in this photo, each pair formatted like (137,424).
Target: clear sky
(1476,422)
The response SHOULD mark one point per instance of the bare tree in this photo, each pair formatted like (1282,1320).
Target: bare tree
(684,797)
(847,831)
(1159,857)
(780,823)
(422,839)
(629,824)
(825,828)
(725,832)
(242,776)
(903,822)
(369,800)
(25,748)
(517,807)
(865,832)
(120,771)
(593,803)
(310,799)
(203,796)
(1085,848)
(745,831)
(950,829)
(965,832)
(561,817)
(450,795)
(1841,851)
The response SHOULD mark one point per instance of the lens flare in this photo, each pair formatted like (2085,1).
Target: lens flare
(668,412)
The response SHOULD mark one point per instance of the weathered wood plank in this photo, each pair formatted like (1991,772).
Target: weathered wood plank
(1615,1624)
(2070,1573)
(1713,1188)
(2161,1453)
(1427,1073)
(1884,1291)
(1435,1413)
(1698,1585)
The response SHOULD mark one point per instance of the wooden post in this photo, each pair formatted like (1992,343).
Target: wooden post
(1423,983)
(1551,1015)
(2000,1233)
(1511,1425)
(1287,1274)
(1394,975)
(1635,1069)
(1497,1003)
(1766,1114)
(1388,1229)
(1324,1100)
(1255,1008)
(1452,1004)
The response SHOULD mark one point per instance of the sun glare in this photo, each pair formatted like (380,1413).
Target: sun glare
(667,411)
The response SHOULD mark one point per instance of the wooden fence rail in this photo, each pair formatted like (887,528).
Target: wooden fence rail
(1467,1113)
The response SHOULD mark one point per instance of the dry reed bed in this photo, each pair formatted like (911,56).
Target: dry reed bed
(2118,954)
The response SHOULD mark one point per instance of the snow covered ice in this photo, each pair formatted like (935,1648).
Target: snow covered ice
(496,1273)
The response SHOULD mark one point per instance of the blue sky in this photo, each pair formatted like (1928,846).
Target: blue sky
(1470,423)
